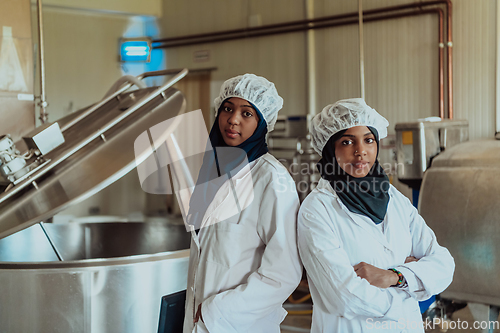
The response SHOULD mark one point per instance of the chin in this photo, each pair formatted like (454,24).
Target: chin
(358,174)
(230,143)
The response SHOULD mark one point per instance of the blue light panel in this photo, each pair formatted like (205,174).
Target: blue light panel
(135,50)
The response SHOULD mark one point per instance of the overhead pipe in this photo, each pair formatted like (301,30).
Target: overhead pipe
(266,30)
(165,41)
(320,24)
(326,22)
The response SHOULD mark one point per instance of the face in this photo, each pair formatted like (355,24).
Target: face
(356,151)
(238,120)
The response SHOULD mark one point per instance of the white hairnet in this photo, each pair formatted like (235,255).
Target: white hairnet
(342,115)
(255,89)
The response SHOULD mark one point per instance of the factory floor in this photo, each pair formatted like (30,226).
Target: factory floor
(302,323)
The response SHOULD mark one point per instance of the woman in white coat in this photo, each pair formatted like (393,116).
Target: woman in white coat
(244,260)
(368,254)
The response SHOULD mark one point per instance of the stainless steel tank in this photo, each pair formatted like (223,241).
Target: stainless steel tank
(99,277)
(112,277)
(460,201)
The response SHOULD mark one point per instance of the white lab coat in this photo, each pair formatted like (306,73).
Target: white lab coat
(243,268)
(332,240)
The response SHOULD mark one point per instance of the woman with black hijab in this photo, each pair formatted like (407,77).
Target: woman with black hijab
(368,254)
(244,259)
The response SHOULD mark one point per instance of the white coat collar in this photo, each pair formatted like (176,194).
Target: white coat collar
(225,194)
(361,220)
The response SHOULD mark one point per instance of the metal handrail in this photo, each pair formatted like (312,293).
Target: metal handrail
(123,89)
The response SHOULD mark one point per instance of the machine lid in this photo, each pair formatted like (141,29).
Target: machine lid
(478,153)
(98,150)
(422,123)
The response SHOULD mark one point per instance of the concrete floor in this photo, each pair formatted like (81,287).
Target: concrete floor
(302,323)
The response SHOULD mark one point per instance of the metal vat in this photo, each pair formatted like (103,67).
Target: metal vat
(460,201)
(111,280)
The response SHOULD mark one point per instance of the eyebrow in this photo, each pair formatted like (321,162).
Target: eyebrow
(248,106)
(353,136)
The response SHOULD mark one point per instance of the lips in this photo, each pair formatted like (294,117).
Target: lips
(232,133)
(360,165)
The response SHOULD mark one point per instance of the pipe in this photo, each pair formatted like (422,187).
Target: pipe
(288,24)
(439,11)
(497,95)
(125,79)
(257,32)
(449,44)
(44,116)
(311,63)
(361,50)
(318,23)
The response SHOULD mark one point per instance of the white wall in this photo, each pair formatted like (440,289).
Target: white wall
(128,7)
(280,58)
(401,55)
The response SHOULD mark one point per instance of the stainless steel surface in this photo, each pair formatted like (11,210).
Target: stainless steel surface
(86,162)
(296,154)
(96,277)
(111,280)
(290,127)
(459,200)
(425,140)
(137,103)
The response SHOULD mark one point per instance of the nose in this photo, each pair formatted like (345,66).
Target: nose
(360,150)
(234,119)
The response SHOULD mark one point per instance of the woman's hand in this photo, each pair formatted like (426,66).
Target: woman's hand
(377,277)
(410,259)
(198,315)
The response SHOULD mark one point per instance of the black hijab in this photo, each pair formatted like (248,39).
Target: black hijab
(368,195)
(220,162)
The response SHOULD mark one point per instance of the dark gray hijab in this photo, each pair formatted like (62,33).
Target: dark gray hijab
(368,195)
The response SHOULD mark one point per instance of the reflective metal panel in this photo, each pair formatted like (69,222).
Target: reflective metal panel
(459,200)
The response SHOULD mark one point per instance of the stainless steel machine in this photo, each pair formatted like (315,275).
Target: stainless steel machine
(99,277)
(418,142)
(459,200)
